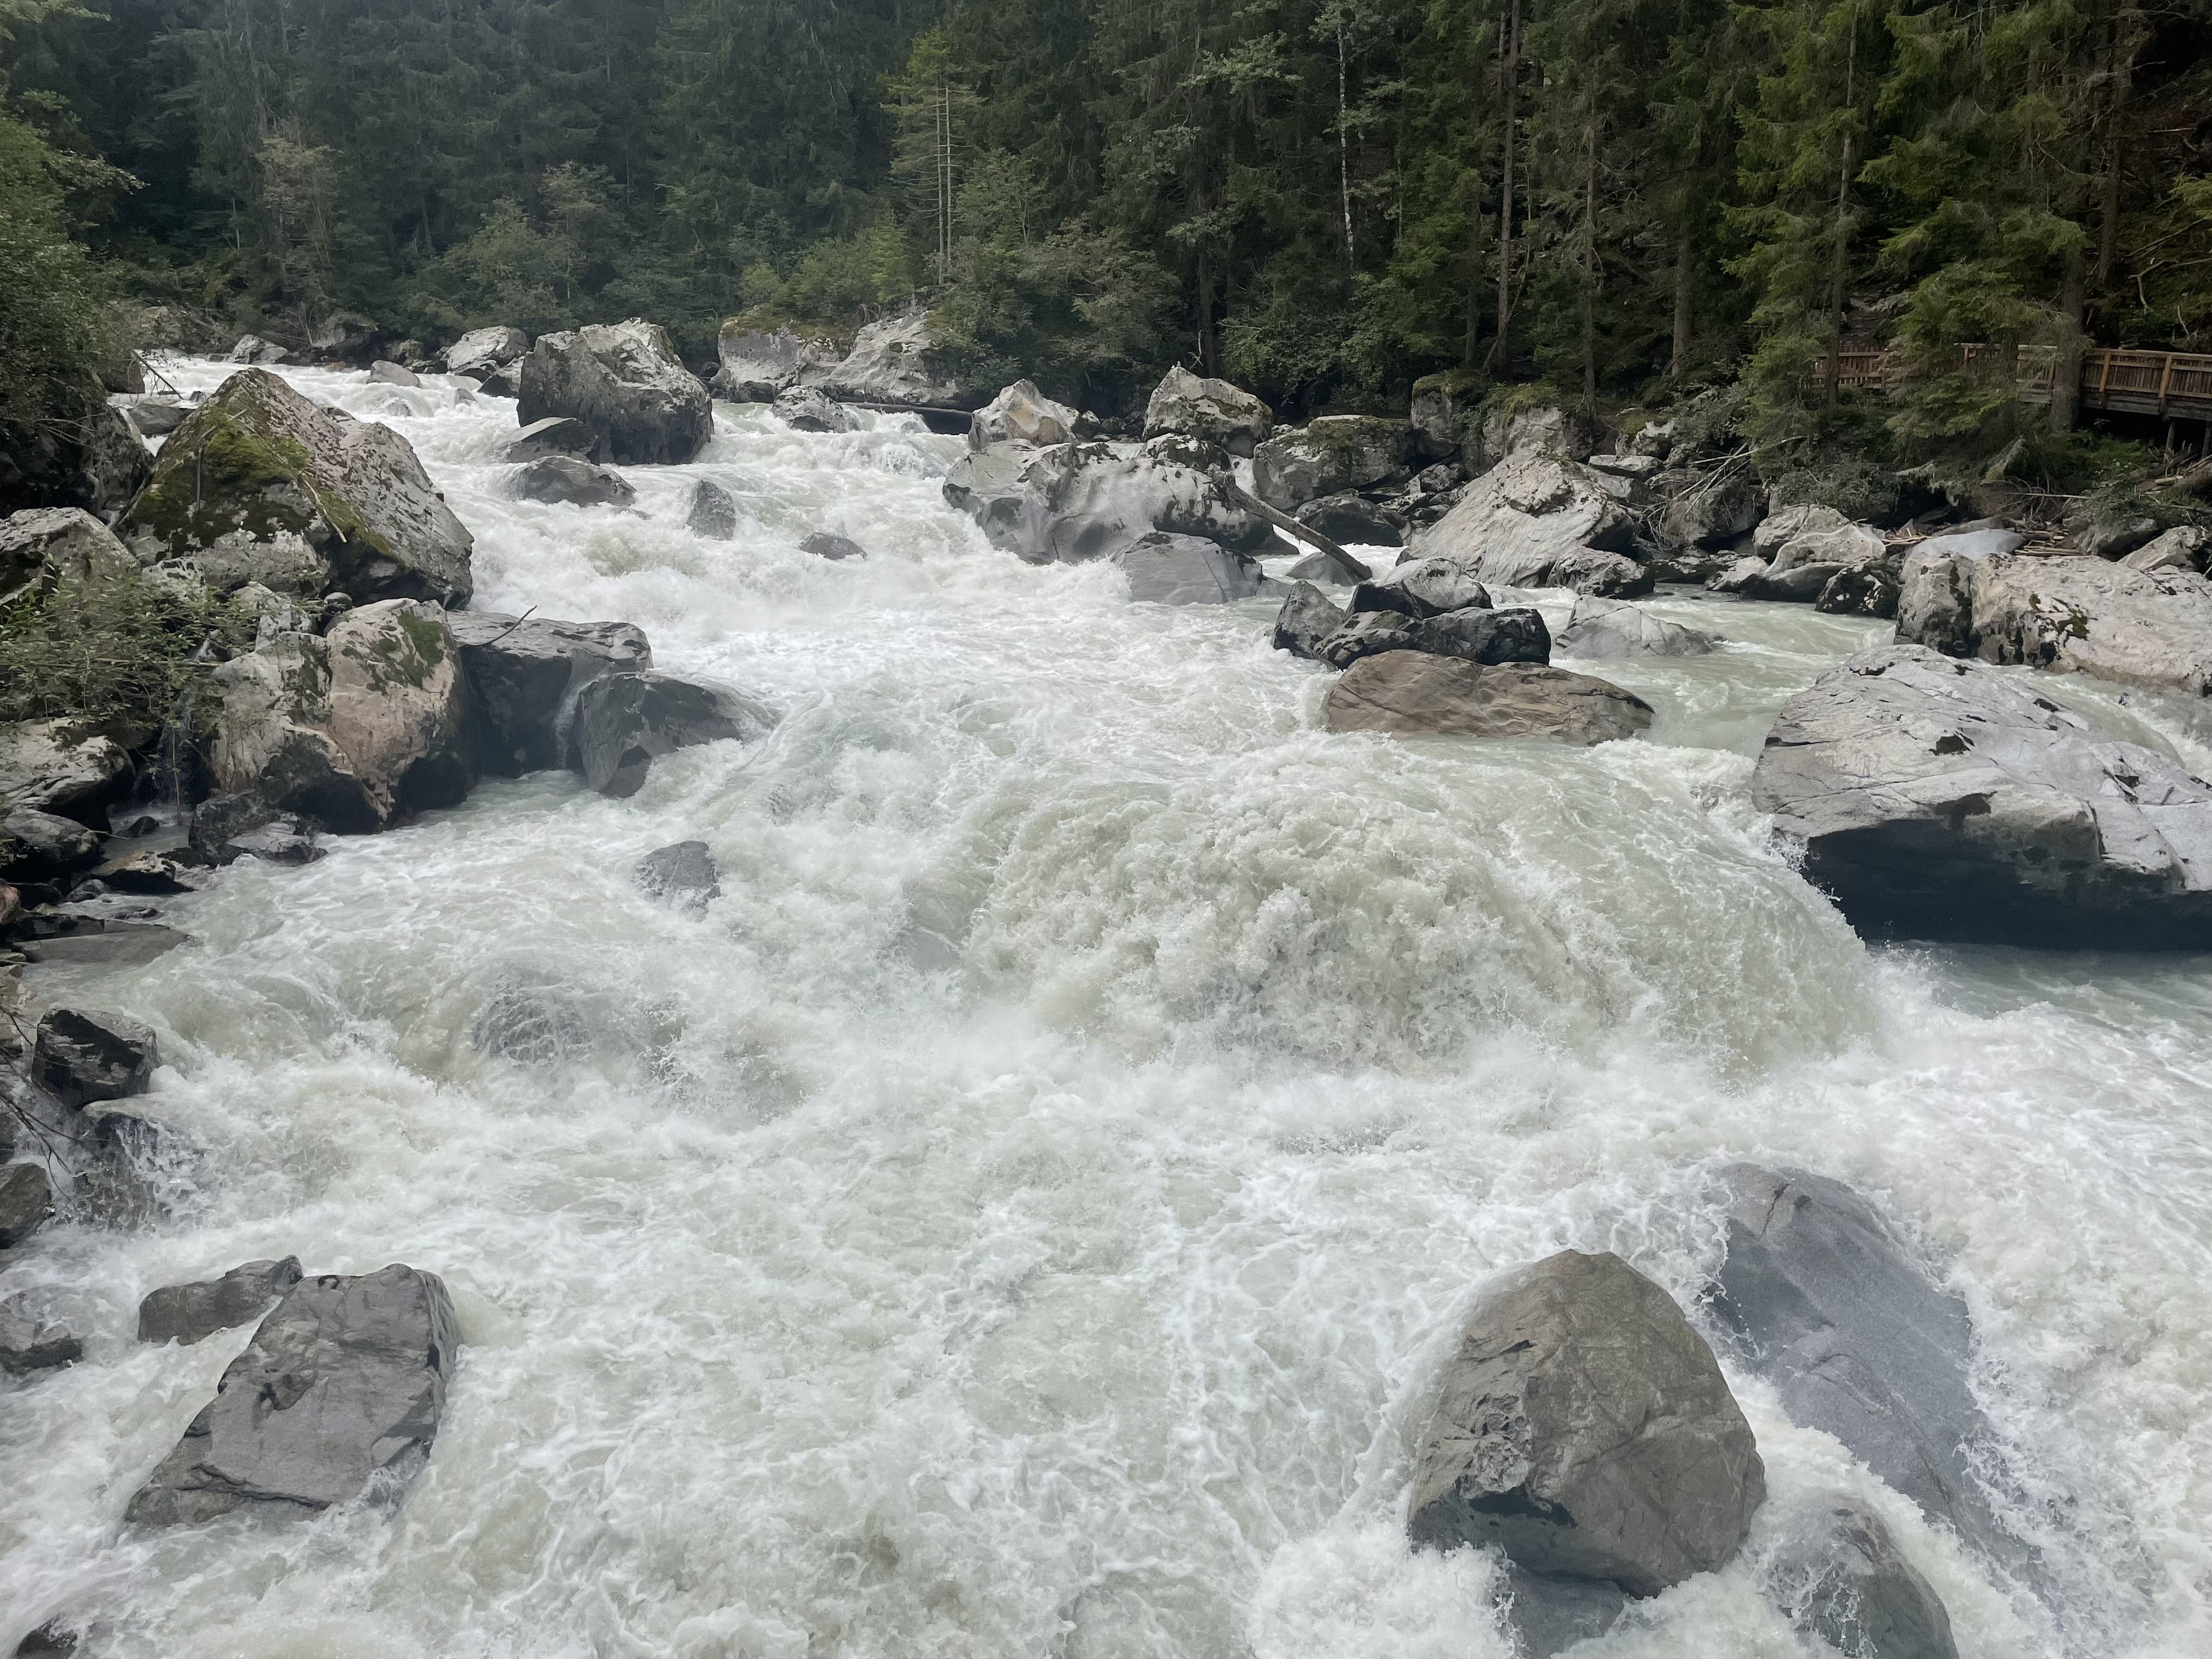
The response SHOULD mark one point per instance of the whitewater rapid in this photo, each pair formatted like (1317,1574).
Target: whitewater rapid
(1024,1216)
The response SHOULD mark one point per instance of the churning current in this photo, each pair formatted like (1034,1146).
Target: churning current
(1026,1214)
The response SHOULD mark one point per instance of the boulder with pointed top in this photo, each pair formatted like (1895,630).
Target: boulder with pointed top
(625,382)
(1187,405)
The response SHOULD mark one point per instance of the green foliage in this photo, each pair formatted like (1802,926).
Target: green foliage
(119,654)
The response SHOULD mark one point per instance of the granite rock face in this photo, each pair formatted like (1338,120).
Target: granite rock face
(1332,454)
(525,675)
(1022,415)
(1607,627)
(81,1055)
(757,364)
(1586,1428)
(1944,799)
(338,1397)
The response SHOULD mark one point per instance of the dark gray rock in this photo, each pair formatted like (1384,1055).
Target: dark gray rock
(684,874)
(625,382)
(1943,799)
(624,722)
(1474,634)
(824,545)
(2111,534)
(384,374)
(1443,409)
(1020,414)
(27,1202)
(1586,1428)
(42,846)
(1423,587)
(809,409)
(1164,569)
(1350,519)
(1553,1614)
(154,874)
(1607,627)
(116,945)
(1827,1301)
(32,1339)
(155,417)
(556,435)
(185,1314)
(1418,694)
(1307,618)
(50,1639)
(1842,1580)
(525,677)
(1319,566)
(563,480)
(82,1055)
(340,1392)
(1866,590)
(1086,500)
(713,512)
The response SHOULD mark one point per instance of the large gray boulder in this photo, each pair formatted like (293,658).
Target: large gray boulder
(185,1314)
(624,722)
(625,381)
(1022,415)
(713,512)
(556,435)
(565,481)
(896,362)
(2184,547)
(1443,413)
(1537,429)
(81,1055)
(1841,1579)
(1346,520)
(758,363)
(809,409)
(42,845)
(1607,627)
(1415,693)
(43,546)
(1334,453)
(1585,1429)
(257,460)
(1075,501)
(525,675)
(2083,615)
(490,357)
(1537,520)
(1715,508)
(683,875)
(1476,633)
(1944,799)
(1825,1299)
(340,1390)
(1164,569)
(58,766)
(352,729)
(1423,587)
(1187,405)
(1308,617)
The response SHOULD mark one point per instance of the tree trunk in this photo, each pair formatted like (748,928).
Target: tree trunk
(1209,349)
(2066,371)
(1344,154)
(1841,277)
(1589,266)
(1510,52)
(1677,364)
(2127,41)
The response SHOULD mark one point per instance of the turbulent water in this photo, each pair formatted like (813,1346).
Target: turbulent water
(1026,1214)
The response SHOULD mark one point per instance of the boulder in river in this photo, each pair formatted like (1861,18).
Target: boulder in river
(531,1021)
(824,545)
(1164,569)
(2084,616)
(556,435)
(1863,590)
(1412,693)
(1022,415)
(1423,587)
(1536,520)
(1345,518)
(1075,501)
(563,480)
(32,1339)
(82,1055)
(43,845)
(490,357)
(1608,628)
(809,409)
(1442,412)
(625,381)
(1186,405)
(43,546)
(683,875)
(257,458)
(896,361)
(1715,508)
(1944,799)
(2184,547)
(756,363)
(624,722)
(1841,1579)
(1333,454)
(524,675)
(351,729)
(1586,1428)
(1475,633)
(384,374)
(1537,429)
(1308,617)
(27,1202)
(185,1314)
(713,512)
(340,1392)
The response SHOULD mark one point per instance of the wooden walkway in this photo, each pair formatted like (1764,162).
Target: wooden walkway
(2174,384)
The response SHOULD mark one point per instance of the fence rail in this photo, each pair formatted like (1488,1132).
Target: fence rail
(2172,383)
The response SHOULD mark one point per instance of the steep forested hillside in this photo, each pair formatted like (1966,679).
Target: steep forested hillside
(1323,198)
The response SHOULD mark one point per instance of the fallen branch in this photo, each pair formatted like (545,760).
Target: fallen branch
(1237,495)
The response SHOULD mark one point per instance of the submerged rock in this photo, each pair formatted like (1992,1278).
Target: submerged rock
(1186,405)
(1586,1428)
(257,460)
(1412,693)
(713,512)
(1334,453)
(624,722)
(1943,799)
(531,1022)
(1536,520)
(185,1314)
(1607,627)
(563,480)
(1022,415)
(824,545)
(341,1391)
(1164,569)
(1842,1580)
(32,1339)
(684,874)
(625,382)
(81,1055)
(525,675)
(1831,1304)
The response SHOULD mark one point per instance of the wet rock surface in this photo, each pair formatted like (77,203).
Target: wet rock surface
(524,675)
(823,544)
(683,875)
(1164,569)
(33,1337)
(186,1313)
(564,480)
(809,409)
(624,722)
(1842,1580)
(27,1202)
(625,382)
(1333,454)
(1086,501)
(81,1055)
(713,511)
(1536,520)
(1412,693)
(1608,628)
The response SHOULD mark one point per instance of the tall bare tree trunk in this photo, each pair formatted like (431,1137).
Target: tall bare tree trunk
(1840,295)
(2126,42)
(1344,154)
(2066,371)
(1677,363)
(1590,265)
(1510,55)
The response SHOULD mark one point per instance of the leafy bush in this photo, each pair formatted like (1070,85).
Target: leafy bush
(119,655)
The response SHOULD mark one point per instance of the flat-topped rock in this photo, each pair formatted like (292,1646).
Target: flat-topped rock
(1164,569)
(1412,693)
(1946,800)
(1187,405)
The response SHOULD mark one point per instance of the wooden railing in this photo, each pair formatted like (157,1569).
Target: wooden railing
(2173,383)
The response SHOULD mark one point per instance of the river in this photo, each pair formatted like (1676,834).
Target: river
(1024,1216)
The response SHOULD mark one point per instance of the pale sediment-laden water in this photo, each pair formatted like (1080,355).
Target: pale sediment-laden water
(1028,1212)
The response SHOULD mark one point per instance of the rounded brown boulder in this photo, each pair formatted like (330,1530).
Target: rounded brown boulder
(1412,693)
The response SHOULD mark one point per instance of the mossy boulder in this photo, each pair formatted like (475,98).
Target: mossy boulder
(258,460)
